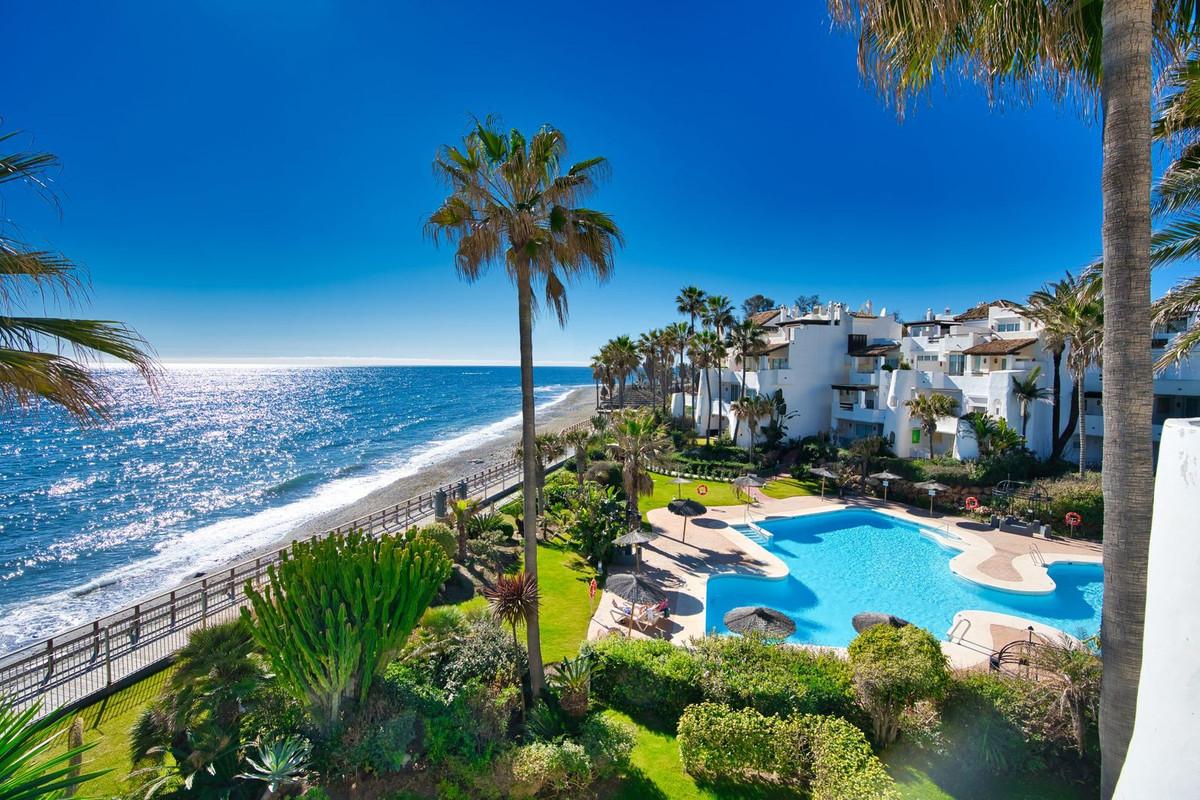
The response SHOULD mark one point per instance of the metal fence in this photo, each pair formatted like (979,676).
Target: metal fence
(89,660)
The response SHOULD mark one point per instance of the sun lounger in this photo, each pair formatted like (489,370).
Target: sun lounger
(646,619)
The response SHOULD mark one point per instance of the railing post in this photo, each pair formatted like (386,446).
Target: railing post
(95,639)
(204,602)
(107,655)
(135,632)
(49,658)
(172,608)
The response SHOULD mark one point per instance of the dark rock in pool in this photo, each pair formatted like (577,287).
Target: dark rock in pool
(869,619)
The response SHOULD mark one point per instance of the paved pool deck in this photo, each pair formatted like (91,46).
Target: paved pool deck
(681,563)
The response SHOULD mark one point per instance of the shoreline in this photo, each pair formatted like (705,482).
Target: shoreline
(577,406)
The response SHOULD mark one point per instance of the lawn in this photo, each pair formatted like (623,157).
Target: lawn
(719,493)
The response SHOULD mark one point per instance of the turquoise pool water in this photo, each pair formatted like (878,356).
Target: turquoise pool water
(845,562)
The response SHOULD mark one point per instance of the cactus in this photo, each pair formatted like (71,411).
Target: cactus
(336,609)
(75,745)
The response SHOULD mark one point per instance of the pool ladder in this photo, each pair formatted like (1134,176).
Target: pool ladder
(1036,555)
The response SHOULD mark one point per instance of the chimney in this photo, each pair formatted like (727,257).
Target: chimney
(928,314)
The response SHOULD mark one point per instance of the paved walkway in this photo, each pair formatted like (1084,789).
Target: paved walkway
(682,563)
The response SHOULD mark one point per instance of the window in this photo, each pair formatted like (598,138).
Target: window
(976,364)
(1008,325)
(957,360)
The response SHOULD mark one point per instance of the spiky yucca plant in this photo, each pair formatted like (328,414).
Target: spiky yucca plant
(513,599)
(573,682)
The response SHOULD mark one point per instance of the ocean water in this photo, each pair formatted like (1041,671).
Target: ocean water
(844,562)
(223,461)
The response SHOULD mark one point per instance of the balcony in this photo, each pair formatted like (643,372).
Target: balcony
(857,413)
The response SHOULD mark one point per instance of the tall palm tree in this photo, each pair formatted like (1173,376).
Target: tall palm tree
(1051,305)
(754,410)
(648,349)
(624,360)
(1084,330)
(1027,391)
(676,338)
(513,204)
(640,443)
(929,408)
(1072,49)
(691,301)
(746,338)
(579,439)
(33,364)
(703,350)
(718,314)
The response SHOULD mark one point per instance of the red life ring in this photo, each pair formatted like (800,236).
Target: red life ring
(1072,518)
(702,489)
(971,503)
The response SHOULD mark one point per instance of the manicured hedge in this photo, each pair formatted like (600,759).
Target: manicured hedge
(827,755)
(652,675)
(645,675)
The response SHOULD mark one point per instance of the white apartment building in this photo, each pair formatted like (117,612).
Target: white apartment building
(850,373)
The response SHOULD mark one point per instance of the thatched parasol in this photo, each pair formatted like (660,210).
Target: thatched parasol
(679,482)
(637,589)
(933,487)
(823,473)
(760,620)
(636,537)
(886,477)
(686,508)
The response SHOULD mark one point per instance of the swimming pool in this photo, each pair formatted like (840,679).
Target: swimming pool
(845,562)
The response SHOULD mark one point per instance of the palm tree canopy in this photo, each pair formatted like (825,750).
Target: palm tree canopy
(718,313)
(512,203)
(641,443)
(747,338)
(906,46)
(691,301)
(32,361)
(1027,389)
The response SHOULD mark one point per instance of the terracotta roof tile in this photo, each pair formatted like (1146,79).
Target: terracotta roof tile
(998,347)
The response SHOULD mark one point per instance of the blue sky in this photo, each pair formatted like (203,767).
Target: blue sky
(249,180)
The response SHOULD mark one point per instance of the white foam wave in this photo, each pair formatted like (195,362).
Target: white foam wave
(205,549)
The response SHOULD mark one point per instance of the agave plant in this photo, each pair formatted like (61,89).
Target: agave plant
(28,770)
(282,764)
(573,682)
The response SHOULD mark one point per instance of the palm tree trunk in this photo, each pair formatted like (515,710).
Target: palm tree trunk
(1069,430)
(931,431)
(1128,477)
(1081,414)
(633,514)
(738,420)
(1055,404)
(708,409)
(530,474)
(720,409)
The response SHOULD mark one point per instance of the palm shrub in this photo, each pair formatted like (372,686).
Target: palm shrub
(573,682)
(513,599)
(597,518)
(928,409)
(336,609)
(28,768)
(893,669)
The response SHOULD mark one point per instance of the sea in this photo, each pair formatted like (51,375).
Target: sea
(218,462)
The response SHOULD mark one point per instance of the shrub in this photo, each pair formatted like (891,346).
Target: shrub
(474,724)
(722,744)
(606,473)
(441,535)
(334,609)
(842,764)
(549,769)
(827,755)
(482,651)
(495,522)
(380,747)
(1081,495)
(893,669)
(811,451)
(748,671)
(640,675)
(608,743)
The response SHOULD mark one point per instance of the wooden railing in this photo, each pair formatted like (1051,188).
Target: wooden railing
(85,662)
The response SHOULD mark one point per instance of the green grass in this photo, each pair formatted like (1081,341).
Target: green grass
(563,578)
(922,776)
(107,723)
(719,492)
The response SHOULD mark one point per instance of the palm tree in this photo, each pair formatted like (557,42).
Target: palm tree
(929,408)
(747,338)
(33,366)
(640,443)
(1050,306)
(703,351)
(691,301)
(461,513)
(623,359)
(579,439)
(1083,328)
(1027,392)
(648,346)
(719,353)
(1072,49)
(676,338)
(513,205)
(754,409)
(718,314)
(866,450)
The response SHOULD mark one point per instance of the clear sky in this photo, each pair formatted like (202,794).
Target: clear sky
(249,179)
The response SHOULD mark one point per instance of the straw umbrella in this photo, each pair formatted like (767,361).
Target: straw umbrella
(636,537)
(678,482)
(761,621)
(686,508)
(933,487)
(823,473)
(745,483)
(637,589)
(886,477)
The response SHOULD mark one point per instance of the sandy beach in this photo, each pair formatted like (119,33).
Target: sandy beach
(578,406)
